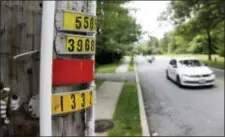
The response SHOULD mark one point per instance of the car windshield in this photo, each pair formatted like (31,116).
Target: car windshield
(191,63)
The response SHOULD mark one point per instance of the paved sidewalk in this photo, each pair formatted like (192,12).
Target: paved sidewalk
(107,96)
(116,77)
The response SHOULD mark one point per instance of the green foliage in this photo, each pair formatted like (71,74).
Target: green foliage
(163,44)
(221,52)
(197,45)
(218,33)
(153,45)
(143,49)
(199,27)
(131,65)
(118,32)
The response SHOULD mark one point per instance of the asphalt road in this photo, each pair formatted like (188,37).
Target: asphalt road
(174,111)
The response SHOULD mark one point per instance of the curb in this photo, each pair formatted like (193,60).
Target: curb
(144,123)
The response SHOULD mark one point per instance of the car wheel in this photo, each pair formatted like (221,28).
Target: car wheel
(167,75)
(179,82)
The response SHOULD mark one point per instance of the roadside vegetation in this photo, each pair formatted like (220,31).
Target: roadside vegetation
(107,68)
(114,38)
(198,29)
(131,65)
(127,117)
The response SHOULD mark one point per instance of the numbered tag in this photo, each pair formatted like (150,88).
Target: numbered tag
(71,102)
(74,44)
(75,21)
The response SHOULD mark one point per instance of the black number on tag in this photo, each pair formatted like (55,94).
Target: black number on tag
(91,98)
(79,45)
(61,102)
(73,105)
(87,44)
(85,22)
(71,46)
(92,45)
(91,23)
(83,100)
(78,22)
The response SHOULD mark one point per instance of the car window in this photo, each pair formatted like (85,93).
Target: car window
(191,63)
(175,62)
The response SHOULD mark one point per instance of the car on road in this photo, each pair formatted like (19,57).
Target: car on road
(189,71)
(150,59)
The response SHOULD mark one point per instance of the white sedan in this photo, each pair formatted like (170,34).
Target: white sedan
(190,72)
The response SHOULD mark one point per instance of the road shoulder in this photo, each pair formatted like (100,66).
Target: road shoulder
(144,123)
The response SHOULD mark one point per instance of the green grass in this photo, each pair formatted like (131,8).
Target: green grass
(126,116)
(108,68)
(98,83)
(204,58)
(131,65)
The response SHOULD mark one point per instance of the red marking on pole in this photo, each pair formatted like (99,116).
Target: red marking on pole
(72,71)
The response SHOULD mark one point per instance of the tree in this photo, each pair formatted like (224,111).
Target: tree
(118,32)
(163,44)
(218,34)
(203,15)
(153,45)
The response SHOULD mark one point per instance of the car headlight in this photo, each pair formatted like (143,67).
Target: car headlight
(212,74)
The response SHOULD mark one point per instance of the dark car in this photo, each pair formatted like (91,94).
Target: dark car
(151,59)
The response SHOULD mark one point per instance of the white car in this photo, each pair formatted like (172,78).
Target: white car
(190,72)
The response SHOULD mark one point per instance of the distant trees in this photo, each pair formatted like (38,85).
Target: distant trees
(199,27)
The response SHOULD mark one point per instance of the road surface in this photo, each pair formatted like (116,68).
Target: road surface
(174,111)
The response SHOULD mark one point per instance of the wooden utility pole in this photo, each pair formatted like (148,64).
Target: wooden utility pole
(19,69)
(77,11)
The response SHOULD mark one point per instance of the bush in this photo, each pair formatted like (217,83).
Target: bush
(107,57)
(221,52)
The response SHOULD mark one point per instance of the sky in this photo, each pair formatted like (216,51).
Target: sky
(147,14)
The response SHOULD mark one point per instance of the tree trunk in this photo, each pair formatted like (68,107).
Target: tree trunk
(209,45)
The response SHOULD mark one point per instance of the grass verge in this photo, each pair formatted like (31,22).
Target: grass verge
(127,117)
(98,83)
(108,68)
(218,63)
(131,65)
